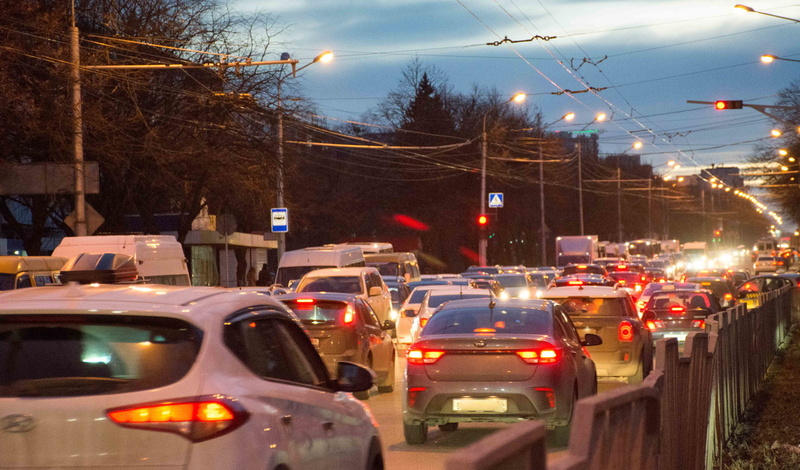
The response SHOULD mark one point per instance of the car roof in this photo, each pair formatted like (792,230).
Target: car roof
(540,304)
(681,291)
(707,279)
(333,272)
(583,291)
(318,295)
(450,290)
(199,305)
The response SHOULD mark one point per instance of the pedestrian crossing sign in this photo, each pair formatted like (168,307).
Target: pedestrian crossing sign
(495,200)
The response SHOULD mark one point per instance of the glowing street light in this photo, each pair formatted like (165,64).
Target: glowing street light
(783,152)
(745,8)
(776,133)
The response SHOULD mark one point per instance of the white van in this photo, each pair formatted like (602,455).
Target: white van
(159,258)
(295,264)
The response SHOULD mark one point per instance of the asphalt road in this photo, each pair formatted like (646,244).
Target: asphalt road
(440,445)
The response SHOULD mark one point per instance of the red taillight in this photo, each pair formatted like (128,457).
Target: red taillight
(197,419)
(305,301)
(550,394)
(349,316)
(653,325)
(640,305)
(412,395)
(575,283)
(677,309)
(728,296)
(625,331)
(544,355)
(484,330)
(698,324)
(423,322)
(423,356)
(621,267)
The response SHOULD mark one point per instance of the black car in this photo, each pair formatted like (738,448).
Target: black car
(583,280)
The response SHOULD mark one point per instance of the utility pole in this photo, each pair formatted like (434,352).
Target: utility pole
(580,185)
(280,236)
(483,243)
(619,203)
(650,207)
(80,228)
(543,237)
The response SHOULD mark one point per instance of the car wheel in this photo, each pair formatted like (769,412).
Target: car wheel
(638,377)
(560,435)
(415,434)
(449,427)
(387,386)
(375,459)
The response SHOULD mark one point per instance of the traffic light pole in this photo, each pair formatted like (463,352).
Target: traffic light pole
(483,243)
(761,108)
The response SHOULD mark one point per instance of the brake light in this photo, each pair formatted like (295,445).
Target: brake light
(640,305)
(575,283)
(423,322)
(582,266)
(677,309)
(550,394)
(653,325)
(305,301)
(412,395)
(621,267)
(484,330)
(196,418)
(728,296)
(625,331)
(349,316)
(545,355)
(700,324)
(423,356)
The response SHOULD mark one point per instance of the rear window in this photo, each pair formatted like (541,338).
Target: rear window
(343,284)
(317,312)
(80,355)
(579,269)
(436,300)
(576,306)
(687,300)
(499,320)
(387,268)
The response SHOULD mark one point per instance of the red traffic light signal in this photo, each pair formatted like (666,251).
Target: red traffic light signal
(730,104)
(717,233)
(483,220)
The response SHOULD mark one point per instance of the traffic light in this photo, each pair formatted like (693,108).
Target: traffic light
(483,220)
(717,236)
(730,104)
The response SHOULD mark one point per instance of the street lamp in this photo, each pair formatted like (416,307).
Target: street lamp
(769,58)
(748,9)
(483,243)
(326,56)
(598,118)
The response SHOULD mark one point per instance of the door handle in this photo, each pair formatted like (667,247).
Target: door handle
(327,425)
(286,419)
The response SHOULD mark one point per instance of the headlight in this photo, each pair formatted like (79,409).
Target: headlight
(504,295)
(526,294)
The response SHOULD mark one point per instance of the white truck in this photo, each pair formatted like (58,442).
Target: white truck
(581,249)
(695,255)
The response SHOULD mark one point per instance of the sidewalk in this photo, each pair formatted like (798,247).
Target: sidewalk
(769,435)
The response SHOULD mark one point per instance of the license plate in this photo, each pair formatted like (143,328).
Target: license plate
(480,405)
(315,342)
(678,337)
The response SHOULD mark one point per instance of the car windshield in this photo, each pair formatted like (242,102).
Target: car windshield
(317,312)
(581,268)
(386,268)
(498,320)
(292,273)
(687,300)
(436,300)
(611,307)
(628,277)
(512,281)
(344,284)
(80,355)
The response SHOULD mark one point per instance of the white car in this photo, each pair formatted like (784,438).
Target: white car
(152,376)
(436,297)
(365,282)
(409,310)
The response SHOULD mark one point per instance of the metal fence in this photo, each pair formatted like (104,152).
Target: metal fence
(679,418)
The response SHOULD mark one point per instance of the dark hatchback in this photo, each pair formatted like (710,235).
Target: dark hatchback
(676,313)
(343,327)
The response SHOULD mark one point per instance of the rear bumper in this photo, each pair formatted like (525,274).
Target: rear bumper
(614,363)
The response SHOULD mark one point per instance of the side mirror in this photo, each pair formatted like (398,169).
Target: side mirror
(591,339)
(389,325)
(409,313)
(353,377)
(375,290)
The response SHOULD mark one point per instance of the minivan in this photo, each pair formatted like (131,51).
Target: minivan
(296,263)
(395,265)
(17,272)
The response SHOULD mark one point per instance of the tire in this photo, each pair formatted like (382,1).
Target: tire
(362,395)
(449,427)
(375,459)
(638,377)
(560,435)
(387,386)
(415,434)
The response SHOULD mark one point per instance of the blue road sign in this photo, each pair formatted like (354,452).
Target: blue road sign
(495,200)
(280,220)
